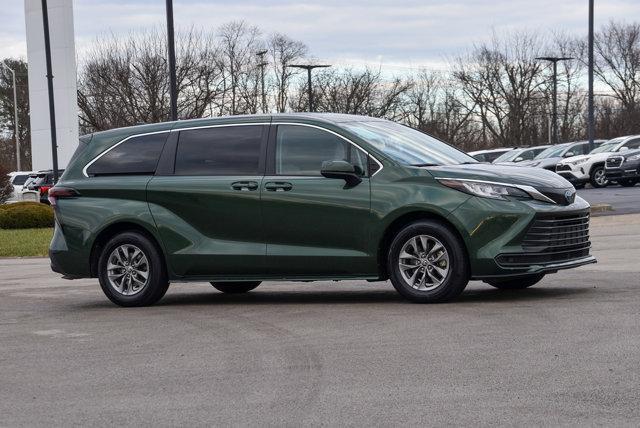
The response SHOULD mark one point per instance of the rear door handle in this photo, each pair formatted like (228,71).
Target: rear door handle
(244,185)
(278,186)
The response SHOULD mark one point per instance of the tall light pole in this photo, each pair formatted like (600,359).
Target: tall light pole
(590,119)
(309,67)
(554,115)
(52,109)
(16,128)
(171,48)
(262,64)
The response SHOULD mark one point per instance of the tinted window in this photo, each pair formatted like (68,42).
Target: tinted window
(226,150)
(301,150)
(633,144)
(137,155)
(19,180)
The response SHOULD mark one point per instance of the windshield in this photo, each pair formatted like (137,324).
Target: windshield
(551,152)
(407,145)
(508,156)
(606,147)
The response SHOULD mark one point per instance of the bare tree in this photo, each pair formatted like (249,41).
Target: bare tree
(502,81)
(7,117)
(124,82)
(284,51)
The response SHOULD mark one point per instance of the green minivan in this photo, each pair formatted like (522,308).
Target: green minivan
(302,197)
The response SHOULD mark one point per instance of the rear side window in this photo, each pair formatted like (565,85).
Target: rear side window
(224,150)
(135,156)
(19,179)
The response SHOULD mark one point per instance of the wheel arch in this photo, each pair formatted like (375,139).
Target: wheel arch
(594,166)
(401,221)
(112,230)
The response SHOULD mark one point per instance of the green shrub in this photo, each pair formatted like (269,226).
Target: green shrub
(25,215)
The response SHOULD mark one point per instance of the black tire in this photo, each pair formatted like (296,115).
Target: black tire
(596,171)
(628,182)
(157,282)
(235,287)
(458,274)
(518,283)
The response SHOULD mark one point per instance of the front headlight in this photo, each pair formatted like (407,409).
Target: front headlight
(633,158)
(485,189)
(578,162)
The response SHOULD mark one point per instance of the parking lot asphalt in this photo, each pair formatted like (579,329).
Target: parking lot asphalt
(353,353)
(623,200)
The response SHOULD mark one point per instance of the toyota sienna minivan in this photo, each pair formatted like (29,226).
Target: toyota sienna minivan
(239,200)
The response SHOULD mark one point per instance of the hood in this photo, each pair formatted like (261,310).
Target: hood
(592,157)
(546,182)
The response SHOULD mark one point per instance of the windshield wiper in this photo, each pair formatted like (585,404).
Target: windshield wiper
(425,164)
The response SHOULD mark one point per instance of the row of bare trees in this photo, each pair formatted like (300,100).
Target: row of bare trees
(495,94)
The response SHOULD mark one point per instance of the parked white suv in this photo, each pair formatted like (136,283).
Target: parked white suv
(589,168)
(17,179)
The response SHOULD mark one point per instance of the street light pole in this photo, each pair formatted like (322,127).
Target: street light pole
(16,128)
(171,48)
(52,109)
(262,65)
(309,67)
(554,115)
(590,119)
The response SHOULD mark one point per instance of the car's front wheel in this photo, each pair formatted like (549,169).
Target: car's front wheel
(515,283)
(427,262)
(131,270)
(235,287)
(598,178)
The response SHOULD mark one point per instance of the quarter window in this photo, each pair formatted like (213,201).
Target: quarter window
(136,156)
(224,150)
(301,150)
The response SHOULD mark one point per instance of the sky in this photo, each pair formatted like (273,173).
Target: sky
(404,34)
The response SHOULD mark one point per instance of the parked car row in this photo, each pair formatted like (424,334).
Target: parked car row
(31,185)
(616,160)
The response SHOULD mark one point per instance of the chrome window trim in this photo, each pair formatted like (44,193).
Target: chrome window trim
(91,162)
(84,170)
(532,191)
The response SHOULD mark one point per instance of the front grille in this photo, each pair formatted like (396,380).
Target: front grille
(560,167)
(552,239)
(614,162)
(560,196)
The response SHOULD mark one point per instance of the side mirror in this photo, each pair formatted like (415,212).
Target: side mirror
(340,169)
(518,159)
(623,148)
(569,154)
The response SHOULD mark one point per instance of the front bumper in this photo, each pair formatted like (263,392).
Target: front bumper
(496,230)
(574,177)
(623,172)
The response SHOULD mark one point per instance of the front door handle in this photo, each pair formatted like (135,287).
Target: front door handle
(244,185)
(278,186)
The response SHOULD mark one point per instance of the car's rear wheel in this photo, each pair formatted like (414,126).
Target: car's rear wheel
(235,287)
(597,178)
(515,283)
(131,270)
(628,182)
(427,262)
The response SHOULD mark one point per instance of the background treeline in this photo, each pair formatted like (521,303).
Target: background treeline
(495,94)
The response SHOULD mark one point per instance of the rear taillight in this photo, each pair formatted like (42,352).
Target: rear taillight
(44,190)
(56,193)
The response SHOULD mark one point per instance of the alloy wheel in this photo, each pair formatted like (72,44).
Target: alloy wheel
(424,263)
(128,270)
(600,177)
